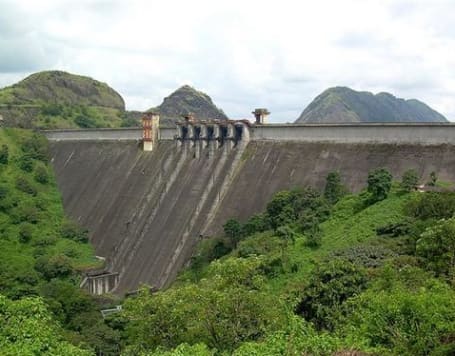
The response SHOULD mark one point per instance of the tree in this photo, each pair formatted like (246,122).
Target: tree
(404,322)
(228,307)
(27,328)
(379,184)
(256,223)
(233,230)
(281,210)
(58,266)
(286,234)
(305,206)
(409,180)
(4,155)
(432,205)
(437,246)
(41,174)
(330,285)
(334,190)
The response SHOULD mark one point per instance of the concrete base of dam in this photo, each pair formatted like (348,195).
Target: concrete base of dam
(146,210)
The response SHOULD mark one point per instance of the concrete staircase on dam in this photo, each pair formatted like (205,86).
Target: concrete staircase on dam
(146,210)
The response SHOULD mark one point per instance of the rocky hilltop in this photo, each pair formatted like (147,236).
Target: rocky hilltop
(57,99)
(62,88)
(186,100)
(342,105)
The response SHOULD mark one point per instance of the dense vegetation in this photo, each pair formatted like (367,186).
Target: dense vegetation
(55,99)
(316,273)
(42,256)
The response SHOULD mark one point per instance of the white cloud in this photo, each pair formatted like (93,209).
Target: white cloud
(245,54)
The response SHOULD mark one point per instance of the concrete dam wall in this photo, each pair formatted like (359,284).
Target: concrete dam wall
(147,210)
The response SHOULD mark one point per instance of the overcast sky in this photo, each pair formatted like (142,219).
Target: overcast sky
(244,54)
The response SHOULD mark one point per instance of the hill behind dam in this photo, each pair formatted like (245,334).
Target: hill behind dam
(147,210)
(342,105)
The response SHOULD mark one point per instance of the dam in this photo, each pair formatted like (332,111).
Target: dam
(147,200)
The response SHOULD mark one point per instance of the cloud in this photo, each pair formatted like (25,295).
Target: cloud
(244,54)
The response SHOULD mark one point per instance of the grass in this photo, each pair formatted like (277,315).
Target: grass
(347,226)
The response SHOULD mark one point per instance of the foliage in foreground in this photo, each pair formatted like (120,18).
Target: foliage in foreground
(367,288)
(27,328)
(42,253)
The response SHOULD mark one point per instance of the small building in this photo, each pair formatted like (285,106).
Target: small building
(261,115)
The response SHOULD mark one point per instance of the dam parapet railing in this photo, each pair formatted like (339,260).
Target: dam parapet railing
(234,131)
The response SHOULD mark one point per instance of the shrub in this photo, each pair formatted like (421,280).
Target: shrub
(26,163)
(25,232)
(379,184)
(433,179)
(404,322)
(409,180)
(72,231)
(129,122)
(400,228)
(209,250)
(259,244)
(52,109)
(314,237)
(57,266)
(364,255)
(334,190)
(85,121)
(4,155)
(432,205)
(25,213)
(36,147)
(25,186)
(3,192)
(329,287)
(437,246)
(286,234)
(256,223)
(41,174)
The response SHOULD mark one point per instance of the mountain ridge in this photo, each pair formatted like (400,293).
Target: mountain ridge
(344,105)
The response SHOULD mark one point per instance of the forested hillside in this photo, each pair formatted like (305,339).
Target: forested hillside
(42,258)
(315,274)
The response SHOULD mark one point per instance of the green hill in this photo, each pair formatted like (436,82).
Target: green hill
(361,277)
(342,105)
(56,99)
(42,259)
(187,100)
